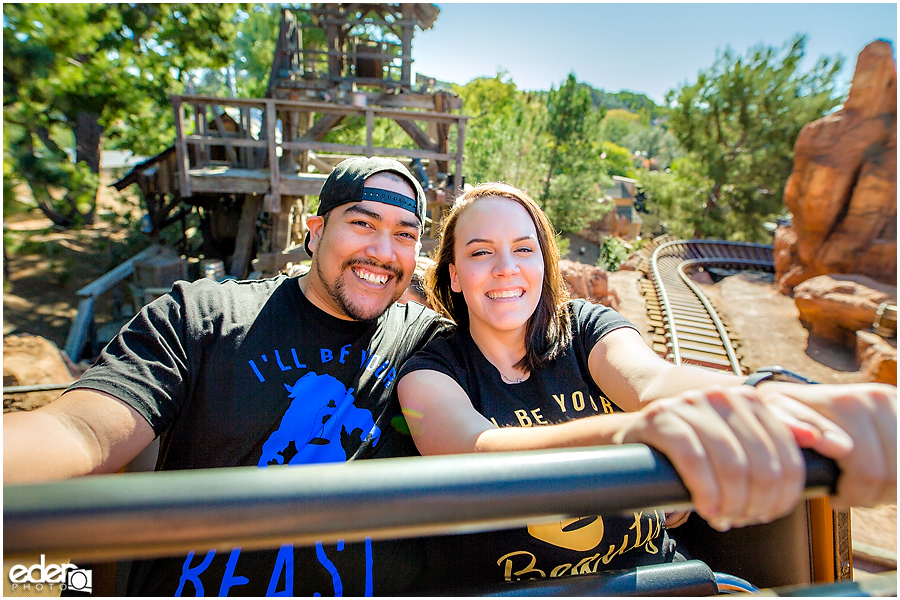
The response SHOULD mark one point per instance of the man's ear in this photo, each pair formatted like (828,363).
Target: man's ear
(315,224)
(454,279)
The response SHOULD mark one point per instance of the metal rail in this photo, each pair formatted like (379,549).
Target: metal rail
(109,517)
(691,328)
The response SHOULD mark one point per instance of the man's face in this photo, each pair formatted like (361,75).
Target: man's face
(364,258)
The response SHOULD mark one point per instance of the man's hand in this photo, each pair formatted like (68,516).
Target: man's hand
(854,424)
(739,460)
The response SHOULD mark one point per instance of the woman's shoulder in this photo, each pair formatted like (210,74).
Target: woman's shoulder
(579,307)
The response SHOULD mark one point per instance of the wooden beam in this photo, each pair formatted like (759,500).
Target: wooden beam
(229,148)
(421,138)
(243,245)
(329,108)
(274,171)
(370,127)
(181,148)
(321,128)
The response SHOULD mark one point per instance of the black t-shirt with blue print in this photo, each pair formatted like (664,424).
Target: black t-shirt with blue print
(562,391)
(251,373)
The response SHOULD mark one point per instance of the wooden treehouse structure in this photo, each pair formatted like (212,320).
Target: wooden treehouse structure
(250,165)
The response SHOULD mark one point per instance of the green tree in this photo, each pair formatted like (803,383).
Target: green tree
(616,160)
(739,122)
(676,200)
(504,135)
(74,74)
(574,164)
(618,124)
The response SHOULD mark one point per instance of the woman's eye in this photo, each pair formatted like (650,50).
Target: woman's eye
(480,253)
(524,249)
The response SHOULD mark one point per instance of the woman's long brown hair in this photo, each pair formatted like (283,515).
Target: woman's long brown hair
(548,331)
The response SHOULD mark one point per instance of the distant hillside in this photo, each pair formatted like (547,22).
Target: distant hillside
(626,100)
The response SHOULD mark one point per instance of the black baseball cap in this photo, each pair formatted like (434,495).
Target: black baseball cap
(347,183)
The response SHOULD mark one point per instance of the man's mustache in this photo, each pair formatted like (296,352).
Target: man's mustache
(368,262)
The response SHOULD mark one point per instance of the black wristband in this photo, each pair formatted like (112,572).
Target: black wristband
(756,378)
(776,374)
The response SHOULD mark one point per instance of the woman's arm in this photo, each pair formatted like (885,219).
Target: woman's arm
(442,420)
(633,375)
(740,463)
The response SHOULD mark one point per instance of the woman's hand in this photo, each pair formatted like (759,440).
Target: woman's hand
(854,424)
(739,460)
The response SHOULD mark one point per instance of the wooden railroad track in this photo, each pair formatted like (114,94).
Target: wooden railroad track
(687,328)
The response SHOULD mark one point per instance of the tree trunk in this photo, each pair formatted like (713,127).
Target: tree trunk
(88,135)
(88,142)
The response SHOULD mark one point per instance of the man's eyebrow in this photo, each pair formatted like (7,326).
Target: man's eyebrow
(356,208)
(410,224)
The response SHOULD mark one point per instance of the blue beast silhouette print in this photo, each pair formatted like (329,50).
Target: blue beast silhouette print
(317,424)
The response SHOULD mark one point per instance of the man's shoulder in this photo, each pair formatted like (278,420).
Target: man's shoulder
(412,312)
(417,322)
(208,290)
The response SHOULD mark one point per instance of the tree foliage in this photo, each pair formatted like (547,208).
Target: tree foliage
(574,165)
(739,122)
(74,74)
(504,136)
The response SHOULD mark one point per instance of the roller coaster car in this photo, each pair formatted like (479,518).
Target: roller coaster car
(84,518)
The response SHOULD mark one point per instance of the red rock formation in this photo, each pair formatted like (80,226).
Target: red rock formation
(877,358)
(30,360)
(588,282)
(843,190)
(836,307)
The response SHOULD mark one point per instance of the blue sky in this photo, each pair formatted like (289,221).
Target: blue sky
(641,47)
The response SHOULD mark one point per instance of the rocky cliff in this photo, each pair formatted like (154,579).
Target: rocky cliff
(843,189)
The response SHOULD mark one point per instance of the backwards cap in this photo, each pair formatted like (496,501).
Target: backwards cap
(347,182)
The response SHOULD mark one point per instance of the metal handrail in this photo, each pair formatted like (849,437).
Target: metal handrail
(110,517)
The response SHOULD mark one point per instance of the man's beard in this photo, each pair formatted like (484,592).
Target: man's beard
(338,293)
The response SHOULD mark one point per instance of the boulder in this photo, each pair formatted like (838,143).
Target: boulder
(835,307)
(30,360)
(633,262)
(877,357)
(843,188)
(588,282)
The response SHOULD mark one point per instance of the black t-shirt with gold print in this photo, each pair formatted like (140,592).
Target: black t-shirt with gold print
(560,392)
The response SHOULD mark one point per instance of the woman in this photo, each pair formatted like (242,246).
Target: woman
(529,369)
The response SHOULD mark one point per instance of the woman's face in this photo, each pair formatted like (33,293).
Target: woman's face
(499,266)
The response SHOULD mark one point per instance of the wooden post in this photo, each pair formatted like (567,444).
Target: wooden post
(460,145)
(243,245)
(184,181)
(370,126)
(274,174)
(406,36)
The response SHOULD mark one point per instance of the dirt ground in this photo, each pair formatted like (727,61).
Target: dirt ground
(39,299)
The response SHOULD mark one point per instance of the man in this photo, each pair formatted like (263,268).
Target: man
(260,373)
(285,371)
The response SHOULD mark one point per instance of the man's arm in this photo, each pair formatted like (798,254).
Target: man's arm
(80,433)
